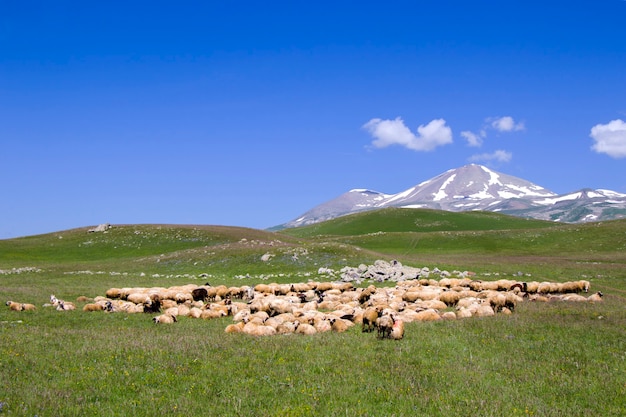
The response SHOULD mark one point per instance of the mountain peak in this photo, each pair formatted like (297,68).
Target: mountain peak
(467,185)
(472,187)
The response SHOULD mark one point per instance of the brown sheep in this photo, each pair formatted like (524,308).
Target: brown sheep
(497,302)
(370,315)
(165,319)
(212,314)
(512,300)
(152,304)
(338,325)
(138,298)
(235,327)
(532,287)
(575,286)
(427,315)
(450,298)
(264,288)
(365,295)
(411,296)
(113,293)
(93,307)
(14,306)
(222,291)
(305,328)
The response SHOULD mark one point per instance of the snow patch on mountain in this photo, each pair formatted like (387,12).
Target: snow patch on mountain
(441,194)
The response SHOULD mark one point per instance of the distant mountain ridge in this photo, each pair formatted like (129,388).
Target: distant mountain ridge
(476,187)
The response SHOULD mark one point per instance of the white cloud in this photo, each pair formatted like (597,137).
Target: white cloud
(610,138)
(498,156)
(394,132)
(500,124)
(505,124)
(474,139)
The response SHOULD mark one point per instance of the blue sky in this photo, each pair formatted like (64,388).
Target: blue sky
(250,113)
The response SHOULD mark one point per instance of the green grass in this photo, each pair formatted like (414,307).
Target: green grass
(556,359)
(402,220)
(96,364)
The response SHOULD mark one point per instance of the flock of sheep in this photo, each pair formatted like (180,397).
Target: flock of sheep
(315,307)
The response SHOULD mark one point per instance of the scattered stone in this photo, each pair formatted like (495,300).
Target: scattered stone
(100,228)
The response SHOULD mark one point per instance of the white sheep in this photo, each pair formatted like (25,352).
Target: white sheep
(195,313)
(172,311)
(322,324)
(397,330)
(485,310)
(595,297)
(256,329)
(183,309)
(287,327)
(463,313)
(384,325)
(449,315)
(574,297)
(65,305)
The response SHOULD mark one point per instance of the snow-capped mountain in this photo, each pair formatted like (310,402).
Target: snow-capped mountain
(475,187)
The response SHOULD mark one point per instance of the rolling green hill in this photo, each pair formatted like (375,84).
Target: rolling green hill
(415,220)
(403,231)
(166,254)
(479,241)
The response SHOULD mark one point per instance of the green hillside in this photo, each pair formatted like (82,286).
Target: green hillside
(130,255)
(122,242)
(415,220)
(480,240)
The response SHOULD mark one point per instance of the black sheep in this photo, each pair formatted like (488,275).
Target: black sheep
(200,294)
(154,306)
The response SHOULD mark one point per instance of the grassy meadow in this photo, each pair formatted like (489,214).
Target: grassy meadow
(547,359)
